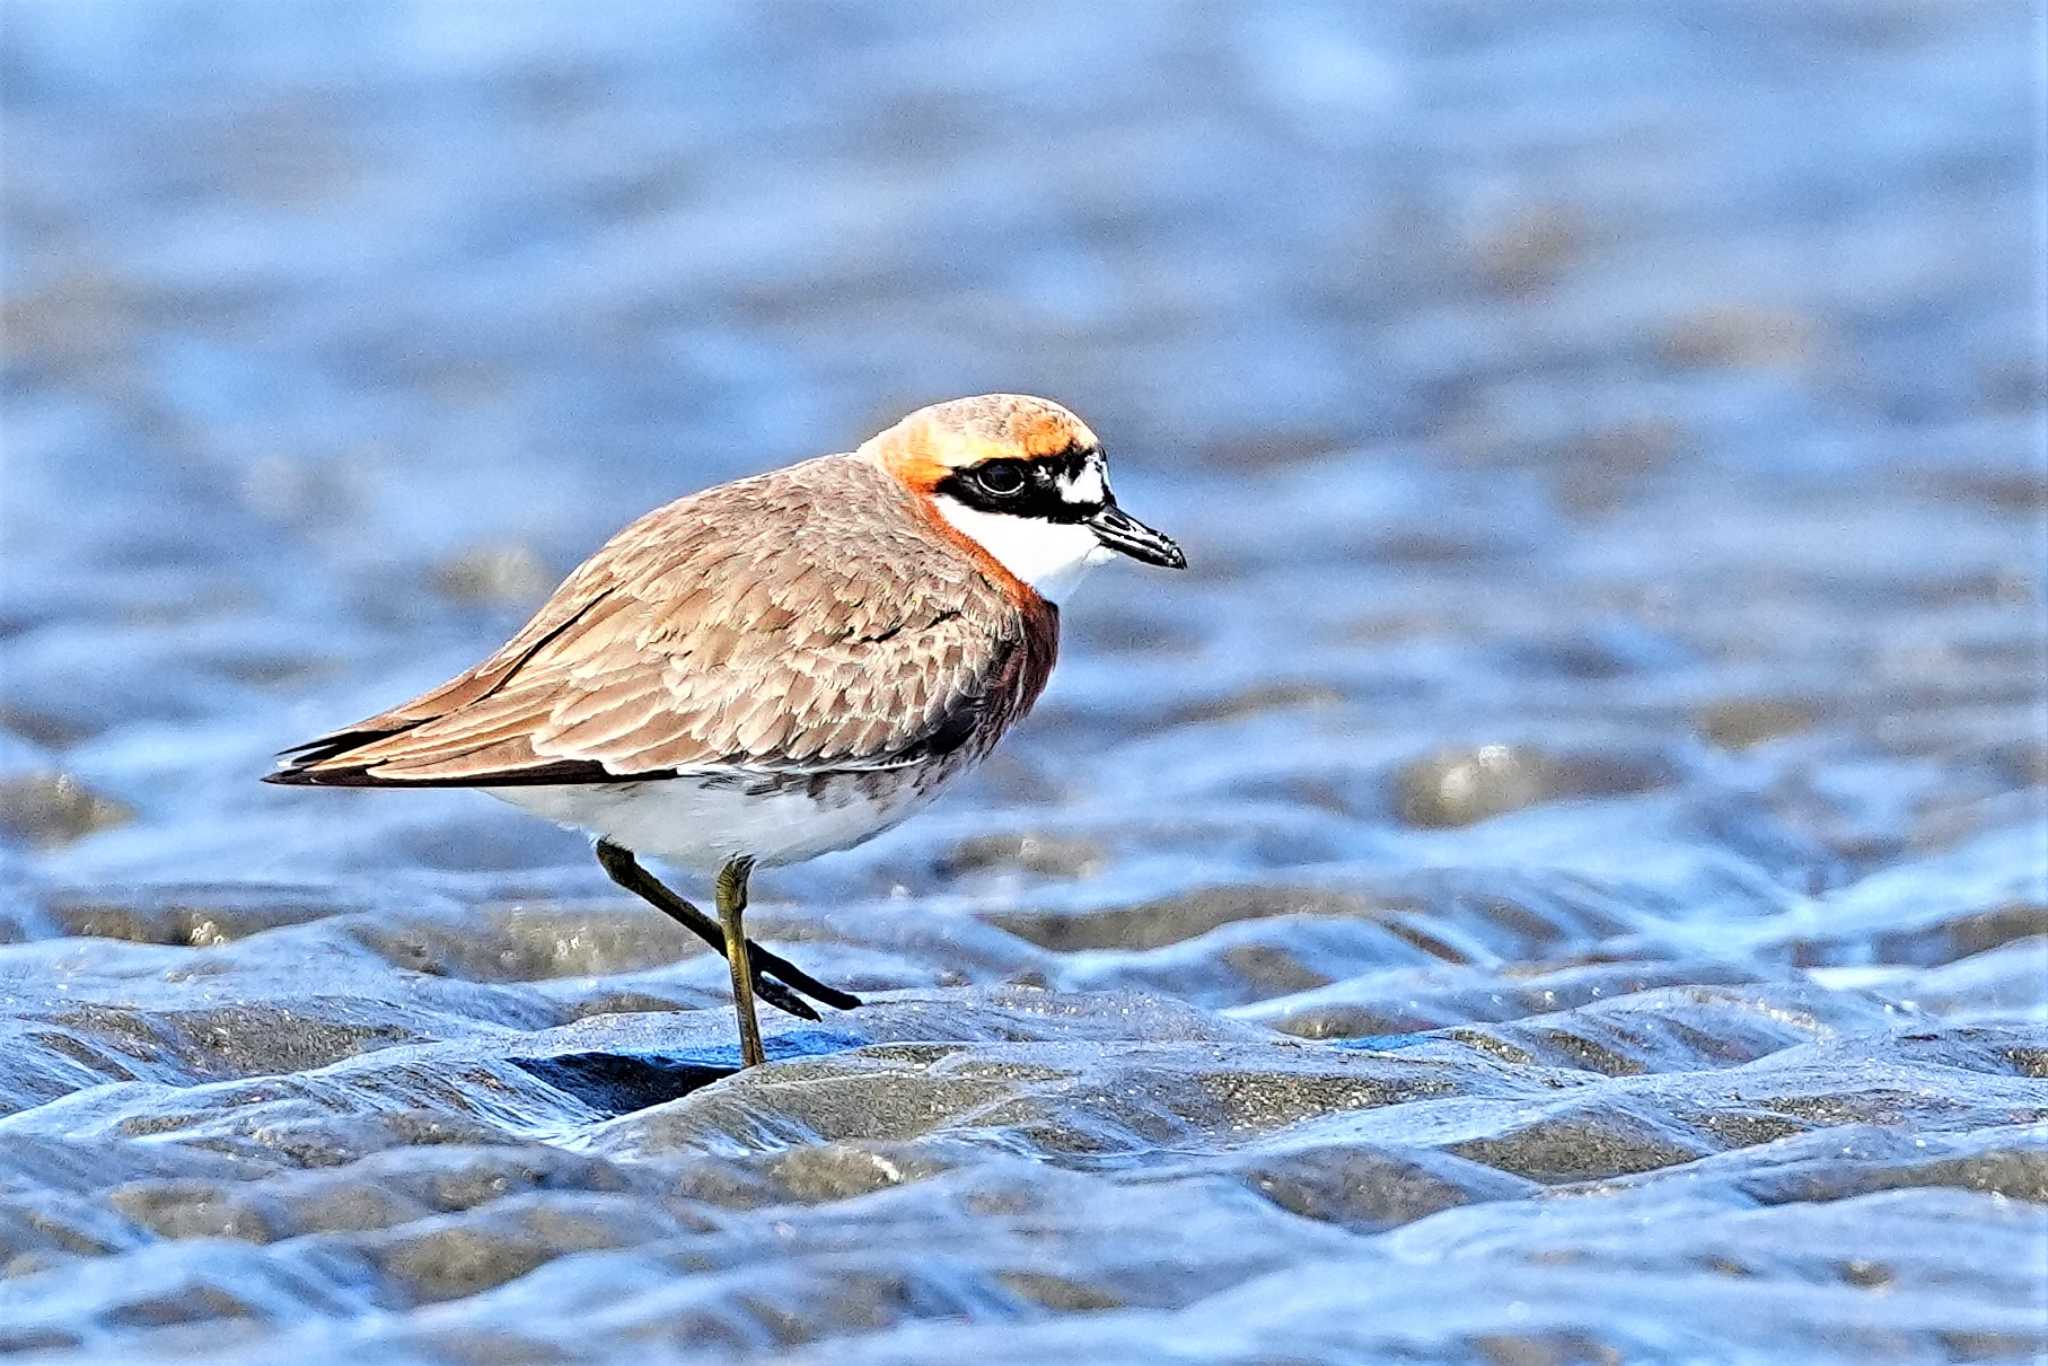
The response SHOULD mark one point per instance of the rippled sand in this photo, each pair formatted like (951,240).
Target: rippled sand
(1561,877)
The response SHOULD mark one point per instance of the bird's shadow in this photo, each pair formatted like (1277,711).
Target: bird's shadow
(620,1083)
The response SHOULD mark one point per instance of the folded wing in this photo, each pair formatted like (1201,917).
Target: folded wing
(802,621)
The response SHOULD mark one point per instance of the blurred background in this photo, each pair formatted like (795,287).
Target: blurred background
(1608,442)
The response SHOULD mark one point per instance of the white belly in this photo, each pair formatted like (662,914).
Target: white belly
(701,825)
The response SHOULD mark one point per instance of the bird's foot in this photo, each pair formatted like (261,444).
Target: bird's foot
(778,981)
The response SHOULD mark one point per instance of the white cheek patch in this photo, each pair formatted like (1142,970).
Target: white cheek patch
(1050,556)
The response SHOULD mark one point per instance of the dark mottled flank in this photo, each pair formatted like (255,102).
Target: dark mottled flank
(1560,878)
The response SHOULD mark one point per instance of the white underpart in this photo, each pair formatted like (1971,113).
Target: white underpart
(699,827)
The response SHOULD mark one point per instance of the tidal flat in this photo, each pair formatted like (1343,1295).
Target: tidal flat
(1560,878)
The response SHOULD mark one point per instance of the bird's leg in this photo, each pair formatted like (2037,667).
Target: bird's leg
(732,903)
(620,865)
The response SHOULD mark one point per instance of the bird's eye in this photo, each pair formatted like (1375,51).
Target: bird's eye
(1000,476)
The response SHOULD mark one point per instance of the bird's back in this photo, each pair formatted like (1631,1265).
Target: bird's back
(808,620)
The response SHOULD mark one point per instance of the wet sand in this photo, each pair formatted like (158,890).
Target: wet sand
(1560,878)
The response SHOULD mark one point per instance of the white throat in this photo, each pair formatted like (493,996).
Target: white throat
(1050,556)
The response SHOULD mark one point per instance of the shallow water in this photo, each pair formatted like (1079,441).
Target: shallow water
(1559,878)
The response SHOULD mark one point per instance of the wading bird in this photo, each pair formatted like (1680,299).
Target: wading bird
(777,667)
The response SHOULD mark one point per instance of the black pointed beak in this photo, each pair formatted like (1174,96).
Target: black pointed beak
(1127,535)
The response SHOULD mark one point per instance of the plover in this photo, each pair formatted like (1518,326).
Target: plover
(778,667)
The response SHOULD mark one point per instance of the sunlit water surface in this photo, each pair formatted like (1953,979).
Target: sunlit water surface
(1559,878)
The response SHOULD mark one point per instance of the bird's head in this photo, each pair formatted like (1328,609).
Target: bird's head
(1024,480)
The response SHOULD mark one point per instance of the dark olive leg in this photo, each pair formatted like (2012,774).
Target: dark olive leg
(620,865)
(732,904)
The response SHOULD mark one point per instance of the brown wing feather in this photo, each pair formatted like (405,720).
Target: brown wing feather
(799,621)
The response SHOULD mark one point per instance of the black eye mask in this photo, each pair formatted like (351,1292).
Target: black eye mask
(1023,488)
